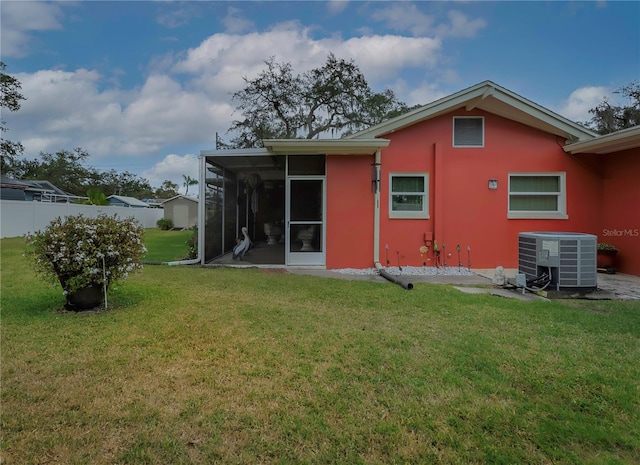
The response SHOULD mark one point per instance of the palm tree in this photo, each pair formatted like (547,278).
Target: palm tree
(188,181)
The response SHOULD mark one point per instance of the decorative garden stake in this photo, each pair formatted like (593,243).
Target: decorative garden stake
(104,285)
(386,250)
(459,262)
(398,254)
(444,254)
(423,251)
(436,251)
(469,256)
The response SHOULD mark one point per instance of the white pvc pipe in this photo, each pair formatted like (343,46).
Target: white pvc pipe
(376,213)
(201,216)
(193,261)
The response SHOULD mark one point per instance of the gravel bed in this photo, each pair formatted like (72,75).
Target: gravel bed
(411,271)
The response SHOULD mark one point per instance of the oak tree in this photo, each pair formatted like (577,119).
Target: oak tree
(10,98)
(332,100)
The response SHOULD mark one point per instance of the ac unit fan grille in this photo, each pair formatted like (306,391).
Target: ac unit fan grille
(571,258)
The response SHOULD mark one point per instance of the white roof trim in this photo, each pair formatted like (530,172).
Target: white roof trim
(489,97)
(235,152)
(180,196)
(129,200)
(324,146)
(615,142)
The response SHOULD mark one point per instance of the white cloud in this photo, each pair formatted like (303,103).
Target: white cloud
(20,19)
(67,109)
(337,6)
(234,23)
(406,16)
(176,17)
(581,100)
(220,62)
(185,101)
(461,26)
(423,93)
(62,108)
(172,168)
(383,57)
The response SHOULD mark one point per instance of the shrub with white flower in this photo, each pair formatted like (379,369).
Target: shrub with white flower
(80,252)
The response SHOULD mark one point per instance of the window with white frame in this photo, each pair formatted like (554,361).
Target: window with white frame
(468,131)
(408,195)
(537,195)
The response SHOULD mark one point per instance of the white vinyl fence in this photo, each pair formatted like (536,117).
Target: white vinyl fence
(19,217)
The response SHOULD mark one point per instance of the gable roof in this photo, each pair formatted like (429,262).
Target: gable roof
(11,183)
(609,143)
(180,196)
(32,185)
(492,98)
(45,186)
(128,200)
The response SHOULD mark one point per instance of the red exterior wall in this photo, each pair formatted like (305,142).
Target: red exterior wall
(621,212)
(462,209)
(349,212)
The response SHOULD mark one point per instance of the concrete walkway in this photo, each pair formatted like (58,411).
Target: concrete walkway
(622,286)
(617,286)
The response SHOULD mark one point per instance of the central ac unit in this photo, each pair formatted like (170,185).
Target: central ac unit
(567,259)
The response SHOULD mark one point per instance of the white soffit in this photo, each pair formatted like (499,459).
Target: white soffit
(609,143)
(324,146)
(492,98)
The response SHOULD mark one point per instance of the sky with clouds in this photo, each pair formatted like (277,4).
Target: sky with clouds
(143,86)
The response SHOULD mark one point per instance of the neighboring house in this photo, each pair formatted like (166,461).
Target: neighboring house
(34,190)
(473,170)
(12,189)
(123,201)
(44,191)
(154,203)
(182,211)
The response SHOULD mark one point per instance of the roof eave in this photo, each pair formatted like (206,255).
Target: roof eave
(618,141)
(234,152)
(482,96)
(324,146)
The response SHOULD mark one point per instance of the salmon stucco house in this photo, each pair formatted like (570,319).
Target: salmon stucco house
(471,170)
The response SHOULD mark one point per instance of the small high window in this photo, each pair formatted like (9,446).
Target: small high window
(468,131)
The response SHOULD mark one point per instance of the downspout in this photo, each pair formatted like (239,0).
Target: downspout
(201,214)
(438,192)
(376,212)
(376,230)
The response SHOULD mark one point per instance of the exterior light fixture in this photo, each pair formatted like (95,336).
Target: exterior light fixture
(493,184)
(375,178)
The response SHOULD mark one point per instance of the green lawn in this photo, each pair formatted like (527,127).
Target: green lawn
(166,246)
(209,365)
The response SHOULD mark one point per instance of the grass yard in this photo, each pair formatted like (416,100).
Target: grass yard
(166,246)
(209,365)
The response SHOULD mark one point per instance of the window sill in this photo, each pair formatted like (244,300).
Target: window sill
(408,216)
(537,216)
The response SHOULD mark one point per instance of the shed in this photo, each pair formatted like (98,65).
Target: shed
(182,211)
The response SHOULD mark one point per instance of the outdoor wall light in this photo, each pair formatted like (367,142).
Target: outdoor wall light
(493,184)
(375,178)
